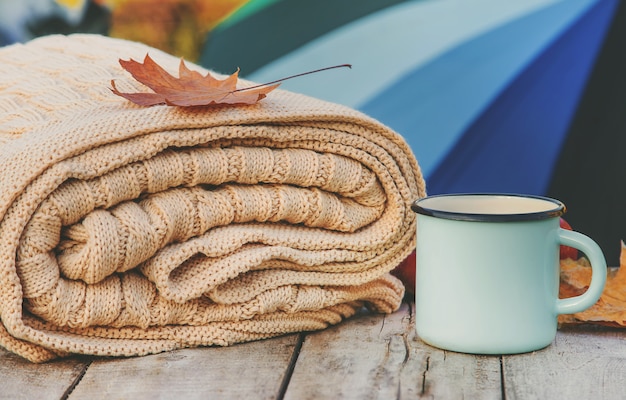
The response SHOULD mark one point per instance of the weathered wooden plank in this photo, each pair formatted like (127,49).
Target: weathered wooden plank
(251,370)
(450,375)
(582,363)
(22,379)
(380,357)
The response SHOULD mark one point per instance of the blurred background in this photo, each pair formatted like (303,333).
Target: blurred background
(493,96)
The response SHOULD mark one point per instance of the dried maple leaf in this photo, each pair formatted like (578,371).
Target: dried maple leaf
(190,89)
(610,309)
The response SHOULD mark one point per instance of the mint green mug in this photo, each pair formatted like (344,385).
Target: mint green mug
(487,272)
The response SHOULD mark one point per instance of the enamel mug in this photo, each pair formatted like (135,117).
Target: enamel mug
(487,272)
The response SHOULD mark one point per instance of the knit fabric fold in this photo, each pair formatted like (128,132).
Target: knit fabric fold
(129,230)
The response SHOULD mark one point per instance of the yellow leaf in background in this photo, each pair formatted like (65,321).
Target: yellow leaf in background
(74,4)
(178,27)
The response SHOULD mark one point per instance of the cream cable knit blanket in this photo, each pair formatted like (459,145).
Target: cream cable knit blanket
(128,230)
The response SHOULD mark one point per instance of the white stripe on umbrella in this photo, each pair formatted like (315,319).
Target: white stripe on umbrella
(434,105)
(385,45)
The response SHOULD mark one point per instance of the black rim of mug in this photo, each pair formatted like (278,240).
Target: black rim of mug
(558,210)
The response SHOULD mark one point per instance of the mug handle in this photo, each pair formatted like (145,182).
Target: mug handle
(598,272)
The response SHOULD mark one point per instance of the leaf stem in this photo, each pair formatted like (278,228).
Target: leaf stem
(293,76)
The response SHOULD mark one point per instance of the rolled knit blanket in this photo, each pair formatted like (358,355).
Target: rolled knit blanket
(129,230)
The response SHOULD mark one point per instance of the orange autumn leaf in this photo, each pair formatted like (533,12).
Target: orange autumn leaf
(610,309)
(190,89)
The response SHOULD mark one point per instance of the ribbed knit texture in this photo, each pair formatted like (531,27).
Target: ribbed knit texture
(128,230)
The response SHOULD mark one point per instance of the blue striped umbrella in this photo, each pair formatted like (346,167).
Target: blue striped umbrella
(486,92)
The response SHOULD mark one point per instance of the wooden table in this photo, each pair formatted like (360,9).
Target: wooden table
(366,357)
